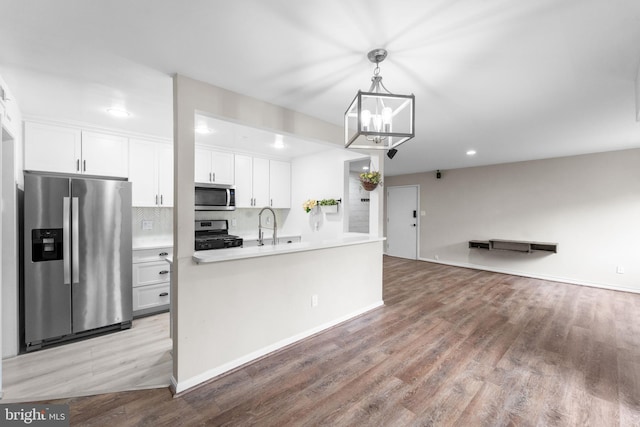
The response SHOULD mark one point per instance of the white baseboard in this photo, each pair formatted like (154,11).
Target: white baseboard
(182,386)
(535,276)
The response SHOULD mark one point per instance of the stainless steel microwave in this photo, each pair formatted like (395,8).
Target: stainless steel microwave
(215,197)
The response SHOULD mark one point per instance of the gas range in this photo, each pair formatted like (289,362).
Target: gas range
(213,234)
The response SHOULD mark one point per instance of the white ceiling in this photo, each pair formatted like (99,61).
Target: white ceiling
(512,80)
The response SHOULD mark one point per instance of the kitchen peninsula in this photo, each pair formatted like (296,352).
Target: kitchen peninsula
(232,306)
(247,302)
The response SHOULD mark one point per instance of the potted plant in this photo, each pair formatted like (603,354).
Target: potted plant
(370,180)
(328,205)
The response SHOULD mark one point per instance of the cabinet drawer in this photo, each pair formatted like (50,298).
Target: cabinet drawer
(158,254)
(146,297)
(148,273)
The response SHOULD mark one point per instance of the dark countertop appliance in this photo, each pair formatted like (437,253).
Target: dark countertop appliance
(214,234)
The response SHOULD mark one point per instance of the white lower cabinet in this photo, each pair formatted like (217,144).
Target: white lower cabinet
(151,281)
(151,298)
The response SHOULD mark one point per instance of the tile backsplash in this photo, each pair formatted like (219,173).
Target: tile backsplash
(159,222)
(246,220)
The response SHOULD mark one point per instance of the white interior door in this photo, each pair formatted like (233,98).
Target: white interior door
(402,221)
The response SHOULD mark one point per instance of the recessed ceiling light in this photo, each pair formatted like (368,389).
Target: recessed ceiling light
(279,142)
(471,153)
(118,112)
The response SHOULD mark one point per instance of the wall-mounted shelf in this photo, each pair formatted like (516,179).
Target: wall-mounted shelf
(513,245)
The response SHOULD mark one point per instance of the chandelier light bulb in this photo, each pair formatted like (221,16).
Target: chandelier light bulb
(377,122)
(366,119)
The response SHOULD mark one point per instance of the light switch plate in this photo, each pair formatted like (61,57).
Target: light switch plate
(147,225)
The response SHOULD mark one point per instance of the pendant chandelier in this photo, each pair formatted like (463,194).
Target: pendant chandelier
(378,119)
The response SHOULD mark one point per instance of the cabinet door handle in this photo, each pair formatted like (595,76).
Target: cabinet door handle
(161,199)
(214,177)
(84,165)
(271,204)
(210,177)
(163,254)
(78,165)
(164,294)
(164,272)
(156,199)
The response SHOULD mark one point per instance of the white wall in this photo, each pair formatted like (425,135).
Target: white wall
(638,94)
(589,205)
(319,176)
(12,170)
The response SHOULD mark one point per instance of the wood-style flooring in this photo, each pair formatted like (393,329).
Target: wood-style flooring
(451,347)
(135,358)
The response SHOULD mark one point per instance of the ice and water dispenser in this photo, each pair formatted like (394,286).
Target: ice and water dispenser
(46,244)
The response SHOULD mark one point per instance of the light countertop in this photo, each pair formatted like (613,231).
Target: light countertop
(152,244)
(219,255)
(268,234)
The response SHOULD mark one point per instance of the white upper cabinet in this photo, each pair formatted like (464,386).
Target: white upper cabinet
(279,184)
(104,154)
(165,174)
(151,173)
(262,182)
(244,181)
(54,148)
(213,167)
(252,181)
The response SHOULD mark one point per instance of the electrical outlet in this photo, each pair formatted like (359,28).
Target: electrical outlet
(620,269)
(314,300)
(234,223)
(147,225)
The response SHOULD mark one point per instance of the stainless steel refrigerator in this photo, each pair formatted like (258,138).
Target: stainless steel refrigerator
(77,257)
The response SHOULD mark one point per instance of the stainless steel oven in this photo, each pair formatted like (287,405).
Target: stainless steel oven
(215,197)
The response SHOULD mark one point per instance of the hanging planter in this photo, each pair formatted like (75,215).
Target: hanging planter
(369,186)
(370,180)
(328,206)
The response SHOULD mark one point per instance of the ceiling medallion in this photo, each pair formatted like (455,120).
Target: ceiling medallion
(378,119)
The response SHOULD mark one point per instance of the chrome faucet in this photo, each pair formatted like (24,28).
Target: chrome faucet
(275,227)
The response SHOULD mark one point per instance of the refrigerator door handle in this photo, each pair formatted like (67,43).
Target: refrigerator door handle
(75,242)
(66,240)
